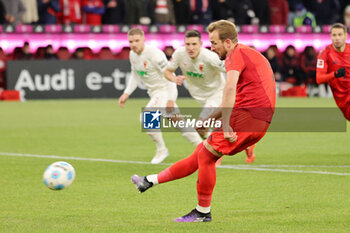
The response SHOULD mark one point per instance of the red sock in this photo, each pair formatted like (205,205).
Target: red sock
(182,168)
(206,176)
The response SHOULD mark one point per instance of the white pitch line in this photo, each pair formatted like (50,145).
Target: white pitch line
(75,158)
(289,166)
(283,170)
(236,167)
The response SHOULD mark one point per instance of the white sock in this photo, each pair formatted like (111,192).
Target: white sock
(192,137)
(153,179)
(158,140)
(202,209)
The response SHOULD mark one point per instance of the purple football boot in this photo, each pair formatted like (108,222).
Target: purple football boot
(195,216)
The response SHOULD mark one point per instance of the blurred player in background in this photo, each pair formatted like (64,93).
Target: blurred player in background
(148,65)
(203,71)
(247,108)
(333,64)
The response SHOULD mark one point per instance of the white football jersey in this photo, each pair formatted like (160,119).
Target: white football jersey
(148,67)
(204,74)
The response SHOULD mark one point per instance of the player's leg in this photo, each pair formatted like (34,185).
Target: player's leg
(204,115)
(162,152)
(205,186)
(215,146)
(204,159)
(250,154)
(206,177)
(180,169)
(201,158)
(208,108)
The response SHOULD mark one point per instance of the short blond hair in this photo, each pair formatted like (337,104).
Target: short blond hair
(135,31)
(226,30)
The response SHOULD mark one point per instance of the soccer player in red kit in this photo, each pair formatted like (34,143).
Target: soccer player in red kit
(247,109)
(333,64)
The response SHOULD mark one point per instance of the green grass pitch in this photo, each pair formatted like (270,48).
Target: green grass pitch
(309,193)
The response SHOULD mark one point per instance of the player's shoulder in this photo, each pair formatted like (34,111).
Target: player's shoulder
(329,47)
(151,49)
(248,49)
(154,53)
(326,50)
(206,53)
(240,46)
(239,49)
(132,54)
(180,50)
(347,46)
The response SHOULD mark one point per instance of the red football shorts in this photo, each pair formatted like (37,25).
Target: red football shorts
(249,131)
(346,110)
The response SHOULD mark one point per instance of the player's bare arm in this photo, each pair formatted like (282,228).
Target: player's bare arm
(170,106)
(122,100)
(169,74)
(228,101)
(216,114)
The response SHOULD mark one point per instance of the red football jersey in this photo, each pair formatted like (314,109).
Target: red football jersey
(70,12)
(329,61)
(256,87)
(93,10)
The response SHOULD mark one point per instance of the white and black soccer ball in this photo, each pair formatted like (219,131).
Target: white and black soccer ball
(59,175)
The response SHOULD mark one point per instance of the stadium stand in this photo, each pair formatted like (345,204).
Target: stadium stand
(108,41)
(105,54)
(63,53)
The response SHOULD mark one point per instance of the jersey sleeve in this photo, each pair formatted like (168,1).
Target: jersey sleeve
(214,60)
(235,61)
(132,82)
(322,68)
(173,64)
(160,61)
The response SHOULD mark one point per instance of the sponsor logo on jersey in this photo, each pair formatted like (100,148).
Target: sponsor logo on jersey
(194,75)
(201,67)
(145,64)
(141,73)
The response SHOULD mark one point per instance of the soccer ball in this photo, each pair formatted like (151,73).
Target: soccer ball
(59,175)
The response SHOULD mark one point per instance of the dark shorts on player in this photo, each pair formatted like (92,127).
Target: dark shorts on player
(249,131)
